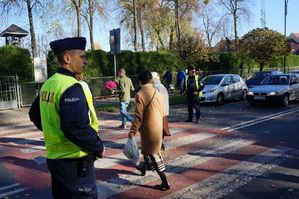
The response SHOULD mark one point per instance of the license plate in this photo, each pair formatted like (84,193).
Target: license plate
(259,97)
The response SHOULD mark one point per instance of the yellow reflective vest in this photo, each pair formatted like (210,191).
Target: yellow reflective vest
(196,83)
(57,145)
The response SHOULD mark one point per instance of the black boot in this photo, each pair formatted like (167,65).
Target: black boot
(162,147)
(163,187)
(142,168)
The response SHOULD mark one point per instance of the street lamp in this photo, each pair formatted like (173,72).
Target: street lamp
(285,31)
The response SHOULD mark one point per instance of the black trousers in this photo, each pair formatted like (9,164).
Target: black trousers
(73,178)
(193,102)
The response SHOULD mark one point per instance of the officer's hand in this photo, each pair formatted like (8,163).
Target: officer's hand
(101,155)
(195,93)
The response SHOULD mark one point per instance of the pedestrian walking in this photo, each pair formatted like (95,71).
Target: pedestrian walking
(180,79)
(168,78)
(161,88)
(125,86)
(148,121)
(71,137)
(193,88)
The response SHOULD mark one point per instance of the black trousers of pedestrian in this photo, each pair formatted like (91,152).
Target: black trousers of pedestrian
(73,178)
(193,102)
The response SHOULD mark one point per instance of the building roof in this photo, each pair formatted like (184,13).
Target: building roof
(14,31)
(295,37)
(296,34)
(294,48)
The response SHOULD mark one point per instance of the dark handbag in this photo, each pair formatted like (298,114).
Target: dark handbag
(166,131)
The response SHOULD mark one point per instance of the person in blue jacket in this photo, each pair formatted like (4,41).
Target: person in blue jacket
(180,79)
(64,112)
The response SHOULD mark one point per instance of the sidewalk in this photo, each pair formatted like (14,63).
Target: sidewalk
(17,116)
(14,116)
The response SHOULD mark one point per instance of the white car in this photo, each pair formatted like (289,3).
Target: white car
(275,89)
(221,87)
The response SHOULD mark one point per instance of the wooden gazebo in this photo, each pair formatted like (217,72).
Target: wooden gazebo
(13,35)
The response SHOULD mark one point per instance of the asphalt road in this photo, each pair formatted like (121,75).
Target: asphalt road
(236,152)
(271,125)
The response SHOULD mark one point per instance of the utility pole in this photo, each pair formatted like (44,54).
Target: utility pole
(285,31)
(263,15)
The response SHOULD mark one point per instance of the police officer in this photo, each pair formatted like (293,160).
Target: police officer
(193,87)
(62,111)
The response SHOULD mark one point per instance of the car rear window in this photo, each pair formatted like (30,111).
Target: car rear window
(259,75)
(276,80)
(212,80)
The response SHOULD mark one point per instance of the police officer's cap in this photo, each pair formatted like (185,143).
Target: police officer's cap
(62,45)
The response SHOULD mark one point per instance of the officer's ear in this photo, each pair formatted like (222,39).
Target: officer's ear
(66,58)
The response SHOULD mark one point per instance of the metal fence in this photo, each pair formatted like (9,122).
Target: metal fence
(9,92)
(14,94)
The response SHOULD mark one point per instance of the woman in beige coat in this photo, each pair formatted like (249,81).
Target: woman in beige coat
(148,121)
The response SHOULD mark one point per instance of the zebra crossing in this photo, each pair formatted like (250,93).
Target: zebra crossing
(200,162)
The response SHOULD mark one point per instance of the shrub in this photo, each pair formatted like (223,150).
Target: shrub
(15,60)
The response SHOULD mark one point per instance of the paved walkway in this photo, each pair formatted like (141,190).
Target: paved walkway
(13,116)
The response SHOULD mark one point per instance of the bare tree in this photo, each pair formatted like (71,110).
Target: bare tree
(237,9)
(78,6)
(158,23)
(212,24)
(129,17)
(183,10)
(93,7)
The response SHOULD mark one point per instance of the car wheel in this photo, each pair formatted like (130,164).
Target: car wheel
(252,103)
(220,99)
(243,96)
(285,100)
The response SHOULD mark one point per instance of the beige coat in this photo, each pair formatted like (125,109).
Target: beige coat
(149,123)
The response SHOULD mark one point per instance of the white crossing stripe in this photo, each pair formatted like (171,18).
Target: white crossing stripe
(122,183)
(16,189)
(9,186)
(23,135)
(223,183)
(259,120)
(16,128)
(120,157)
(12,192)
(113,144)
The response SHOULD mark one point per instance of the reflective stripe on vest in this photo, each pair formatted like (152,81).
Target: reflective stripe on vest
(57,145)
(196,83)
(94,123)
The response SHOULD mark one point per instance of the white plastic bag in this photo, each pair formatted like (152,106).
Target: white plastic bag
(131,151)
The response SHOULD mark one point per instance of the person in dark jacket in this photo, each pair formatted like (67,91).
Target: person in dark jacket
(62,111)
(168,78)
(193,88)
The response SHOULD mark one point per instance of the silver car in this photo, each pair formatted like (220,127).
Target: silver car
(221,87)
(275,89)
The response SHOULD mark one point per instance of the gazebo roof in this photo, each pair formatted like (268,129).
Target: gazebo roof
(14,31)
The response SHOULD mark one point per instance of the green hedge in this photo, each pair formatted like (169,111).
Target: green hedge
(100,63)
(15,60)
